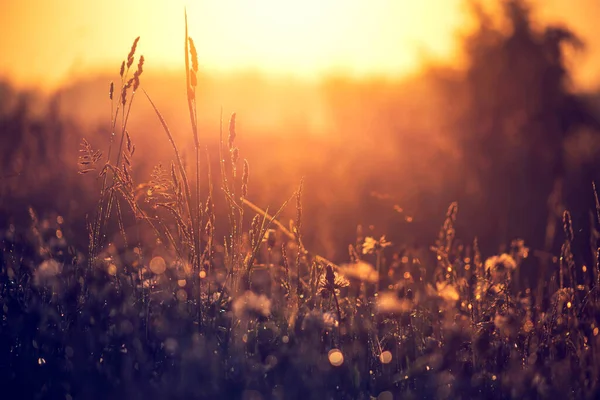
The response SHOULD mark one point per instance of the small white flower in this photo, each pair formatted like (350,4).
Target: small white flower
(361,271)
(447,292)
(370,245)
(317,320)
(251,303)
(46,271)
(389,303)
(500,263)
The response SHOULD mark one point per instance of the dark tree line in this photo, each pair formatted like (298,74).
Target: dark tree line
(519,108)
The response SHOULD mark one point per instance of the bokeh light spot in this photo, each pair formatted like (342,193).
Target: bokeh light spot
(385,357)
(158,265)
(336,358)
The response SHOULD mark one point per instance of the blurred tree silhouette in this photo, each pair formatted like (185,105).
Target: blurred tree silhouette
(519,109)
(38,158)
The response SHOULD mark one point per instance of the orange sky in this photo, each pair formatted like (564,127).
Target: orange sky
(44,42)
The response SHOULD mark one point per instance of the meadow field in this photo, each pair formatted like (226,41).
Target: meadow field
(195,235)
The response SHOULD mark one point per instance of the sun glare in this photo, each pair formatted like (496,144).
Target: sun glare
(53,41)
(313,37)
(302,38)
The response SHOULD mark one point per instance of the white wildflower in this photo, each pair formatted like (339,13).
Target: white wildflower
(251,303)
(447,292)
(46,271)
(370,245)
(319,321)
(390,303)
(331,282)
(361,271)
(500,263)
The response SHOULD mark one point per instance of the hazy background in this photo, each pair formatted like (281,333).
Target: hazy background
(390,110)
(50,43)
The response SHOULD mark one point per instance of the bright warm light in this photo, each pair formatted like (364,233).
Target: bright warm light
(59,39)
(44,42)
(310,37)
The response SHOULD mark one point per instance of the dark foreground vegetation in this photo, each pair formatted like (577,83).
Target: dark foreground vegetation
(181,287)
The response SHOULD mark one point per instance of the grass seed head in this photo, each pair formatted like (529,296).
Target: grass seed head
(124,95)
(299,207)
(568,226)
(208,229)
(232,133)
(132,52)
(193,79)
(140,68)
(235,155)
(245,179)
(194,55)
(136,81)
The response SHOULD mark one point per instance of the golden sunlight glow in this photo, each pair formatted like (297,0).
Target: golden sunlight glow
(50,41)
(47,42)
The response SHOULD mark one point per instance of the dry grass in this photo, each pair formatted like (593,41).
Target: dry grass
(256,314)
